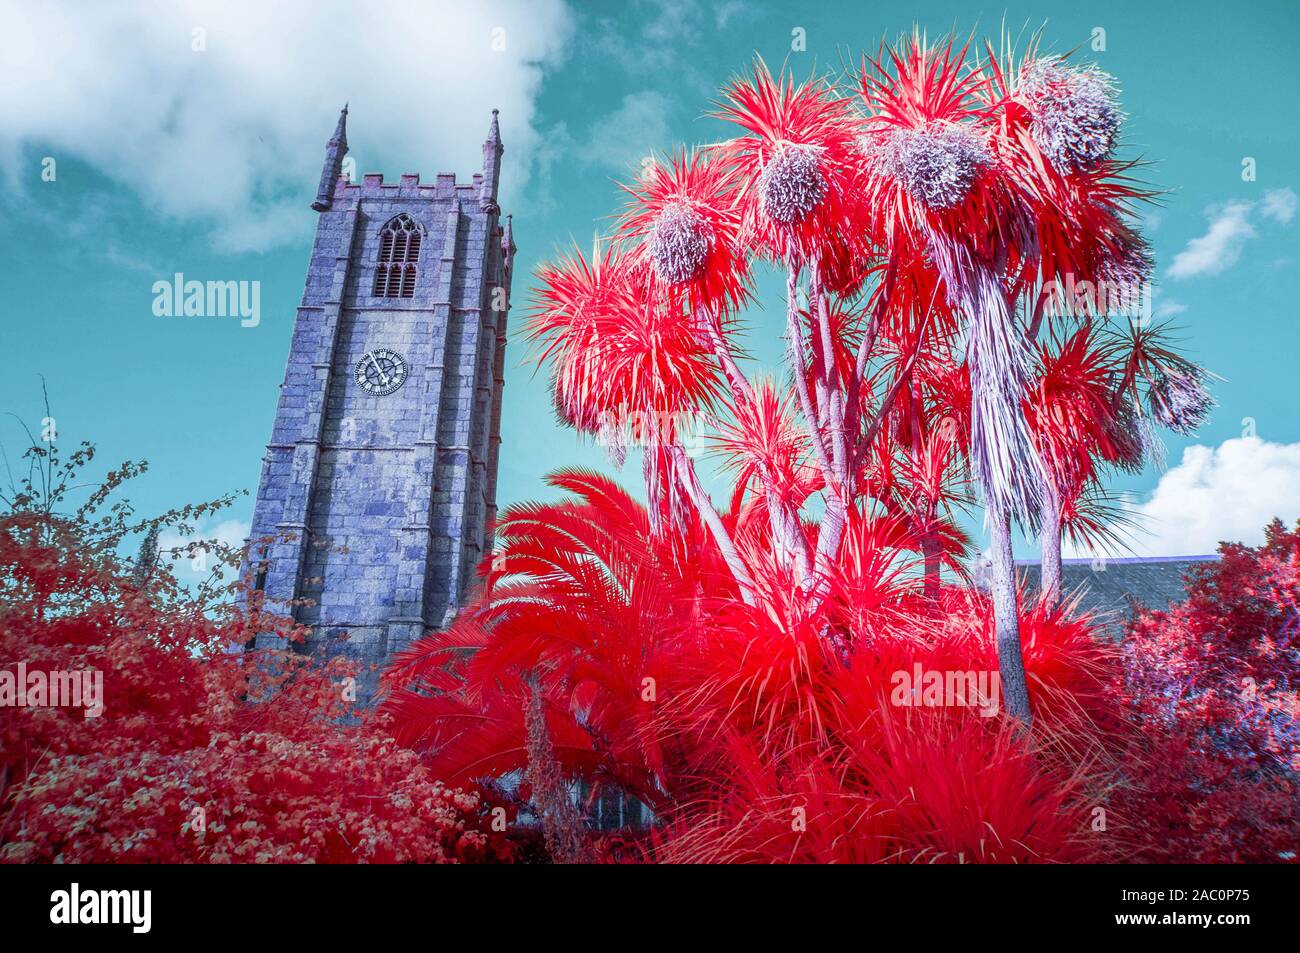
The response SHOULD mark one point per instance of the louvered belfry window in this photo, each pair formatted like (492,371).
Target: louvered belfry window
(399,256)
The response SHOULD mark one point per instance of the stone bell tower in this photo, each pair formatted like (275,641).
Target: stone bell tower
(378,488)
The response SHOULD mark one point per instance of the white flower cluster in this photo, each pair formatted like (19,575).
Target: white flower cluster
(679,243)
(791,185)
(1181,401)
(937,164)
(1124,271)
(1075,116)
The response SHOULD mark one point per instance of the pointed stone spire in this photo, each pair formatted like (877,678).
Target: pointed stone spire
(492,150)
(341,130)
(508,247)
(335,150)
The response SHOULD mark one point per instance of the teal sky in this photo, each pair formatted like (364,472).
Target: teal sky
(144,189)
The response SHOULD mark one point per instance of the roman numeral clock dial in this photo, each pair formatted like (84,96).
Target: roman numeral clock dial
(380,372)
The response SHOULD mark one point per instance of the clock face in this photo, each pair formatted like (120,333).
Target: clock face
(380,371)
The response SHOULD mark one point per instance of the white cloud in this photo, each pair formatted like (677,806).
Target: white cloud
(637,128)
(1224,493)
(230,532)
(1279,205)
(1165,307)
(614,143)
(1220,247)
(1230,228)
(233,136)
(728,11)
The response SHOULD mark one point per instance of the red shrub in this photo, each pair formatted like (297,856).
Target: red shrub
(1212,687)
(180,766)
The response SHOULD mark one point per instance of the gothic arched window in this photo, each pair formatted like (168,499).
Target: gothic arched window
(399,256)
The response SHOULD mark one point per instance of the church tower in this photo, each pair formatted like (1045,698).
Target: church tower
(378,487)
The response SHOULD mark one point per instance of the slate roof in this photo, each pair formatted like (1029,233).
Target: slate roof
(1112,587)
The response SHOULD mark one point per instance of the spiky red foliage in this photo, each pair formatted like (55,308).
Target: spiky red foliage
(781,118)
(1082,217)
(1073,414)
(617,353)
(737,668)
(925,88)
(727,717)
(760,440)
(704,188)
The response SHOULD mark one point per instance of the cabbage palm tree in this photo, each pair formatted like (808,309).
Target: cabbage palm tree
(1002,181)
(914,221)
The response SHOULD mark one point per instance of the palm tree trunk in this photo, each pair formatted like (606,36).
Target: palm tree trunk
(690,482)
(1011,663)
(1002,451)
(932,552)
(1050,568)
(787,534)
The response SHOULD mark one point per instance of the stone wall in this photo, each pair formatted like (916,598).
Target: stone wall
(372,511)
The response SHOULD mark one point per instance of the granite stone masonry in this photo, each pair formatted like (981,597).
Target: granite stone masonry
(378,488)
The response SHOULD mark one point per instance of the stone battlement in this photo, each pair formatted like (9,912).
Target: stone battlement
(372,185)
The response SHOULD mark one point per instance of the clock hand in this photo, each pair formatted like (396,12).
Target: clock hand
(383,378)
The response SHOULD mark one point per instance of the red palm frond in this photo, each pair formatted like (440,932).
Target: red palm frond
(871,578)
(628,368)
(763,437)
(684,221)
(1097,521)
(1071,406)
(569,298)
(920,83)
(929,470)
(931,167)
(796,165)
